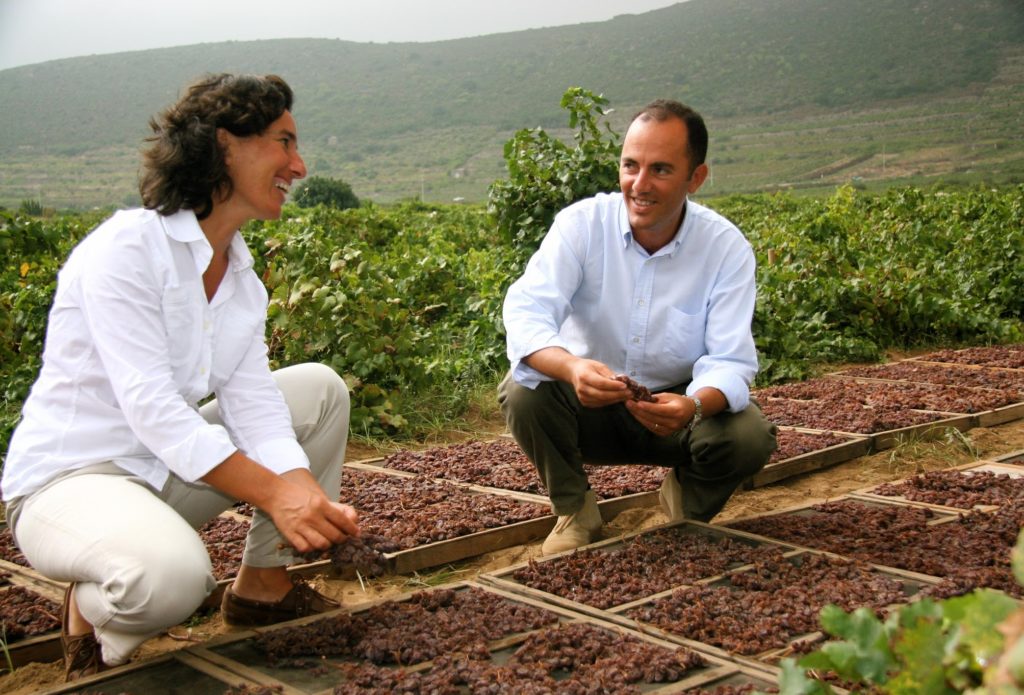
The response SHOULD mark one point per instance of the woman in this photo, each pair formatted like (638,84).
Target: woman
(115,464)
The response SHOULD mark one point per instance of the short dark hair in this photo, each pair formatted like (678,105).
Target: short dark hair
(184,167)
(697,133)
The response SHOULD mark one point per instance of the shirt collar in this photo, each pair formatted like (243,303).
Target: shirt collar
(627,232)
(184,227)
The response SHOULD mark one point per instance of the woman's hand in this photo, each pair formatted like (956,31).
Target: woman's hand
(307,518)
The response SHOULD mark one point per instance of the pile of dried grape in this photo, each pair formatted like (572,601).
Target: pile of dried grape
(753,611)
(427,625)
(792,443)
(9,551)
(641,566)
(1010,356)
(963,376)
(960,489)
(502,464)
(455,629)
(844,416)
(225,541)
(24,613)
(907,395)
(570,658)
(417,511)
(971,550)
(745,689)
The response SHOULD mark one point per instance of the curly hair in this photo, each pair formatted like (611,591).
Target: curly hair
(183,168)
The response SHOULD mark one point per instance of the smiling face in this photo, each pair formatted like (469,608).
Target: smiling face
(655,177)
(262,168)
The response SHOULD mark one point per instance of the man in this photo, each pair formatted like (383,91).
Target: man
(647,285)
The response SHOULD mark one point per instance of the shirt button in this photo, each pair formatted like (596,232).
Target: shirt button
(633,373)
(636,340)
(640,303)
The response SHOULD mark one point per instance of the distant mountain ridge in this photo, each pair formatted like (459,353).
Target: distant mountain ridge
(358,100)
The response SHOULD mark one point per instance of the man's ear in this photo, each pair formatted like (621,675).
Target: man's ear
(697,178)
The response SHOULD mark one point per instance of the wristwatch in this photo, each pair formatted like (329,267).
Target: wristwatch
(698,409)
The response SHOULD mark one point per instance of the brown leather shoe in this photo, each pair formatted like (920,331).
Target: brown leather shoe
(82,653)
(300,601)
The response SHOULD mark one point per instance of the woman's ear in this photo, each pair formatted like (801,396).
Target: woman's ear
(225,140)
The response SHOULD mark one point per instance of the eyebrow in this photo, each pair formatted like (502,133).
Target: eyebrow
(287,133)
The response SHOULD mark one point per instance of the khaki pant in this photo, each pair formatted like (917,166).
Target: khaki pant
(139,565)
(558,434)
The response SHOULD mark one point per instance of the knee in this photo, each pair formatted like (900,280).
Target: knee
(162,588)
(519,403)
(742,449)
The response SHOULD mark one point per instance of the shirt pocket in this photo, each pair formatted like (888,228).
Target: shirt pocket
(684,335)
(183,323)
(235,335)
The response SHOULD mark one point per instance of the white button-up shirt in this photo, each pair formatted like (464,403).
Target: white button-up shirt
(681,313)
(132,348)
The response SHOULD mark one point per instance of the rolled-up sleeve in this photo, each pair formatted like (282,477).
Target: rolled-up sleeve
(538,302)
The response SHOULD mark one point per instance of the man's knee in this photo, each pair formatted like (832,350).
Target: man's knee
(743,442)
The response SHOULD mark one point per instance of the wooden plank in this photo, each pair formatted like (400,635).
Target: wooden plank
(1000,416)
(858,445)
(1012,457)
(923,432)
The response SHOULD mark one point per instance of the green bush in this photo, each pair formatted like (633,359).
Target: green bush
(545,174)
(320,190)
(967,644)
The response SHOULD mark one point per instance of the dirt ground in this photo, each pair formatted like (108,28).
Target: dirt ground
(912,457)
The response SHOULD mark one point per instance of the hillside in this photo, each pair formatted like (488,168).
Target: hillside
(403,120)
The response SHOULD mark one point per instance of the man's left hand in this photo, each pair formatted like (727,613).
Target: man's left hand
(668,414)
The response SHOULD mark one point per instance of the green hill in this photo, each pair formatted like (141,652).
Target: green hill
(804,82)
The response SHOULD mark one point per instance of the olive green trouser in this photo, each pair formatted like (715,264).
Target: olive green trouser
(558,434)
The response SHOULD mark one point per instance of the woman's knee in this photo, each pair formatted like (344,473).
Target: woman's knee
(155,589)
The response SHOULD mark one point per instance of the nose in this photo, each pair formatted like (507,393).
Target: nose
(640,180)
(298,166)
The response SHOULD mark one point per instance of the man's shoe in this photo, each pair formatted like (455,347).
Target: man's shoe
(671,496)
(581,528)
(300,601)
(83,655)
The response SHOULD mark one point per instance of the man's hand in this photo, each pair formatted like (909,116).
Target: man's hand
(593,381)
(671,412)
(596,385)
(668,414)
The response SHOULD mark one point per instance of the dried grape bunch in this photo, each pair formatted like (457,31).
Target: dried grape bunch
(365,554)
(639,391)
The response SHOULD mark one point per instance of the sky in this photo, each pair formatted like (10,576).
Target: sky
(35,31)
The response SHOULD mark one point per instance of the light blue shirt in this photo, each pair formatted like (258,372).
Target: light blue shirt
(681,313)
